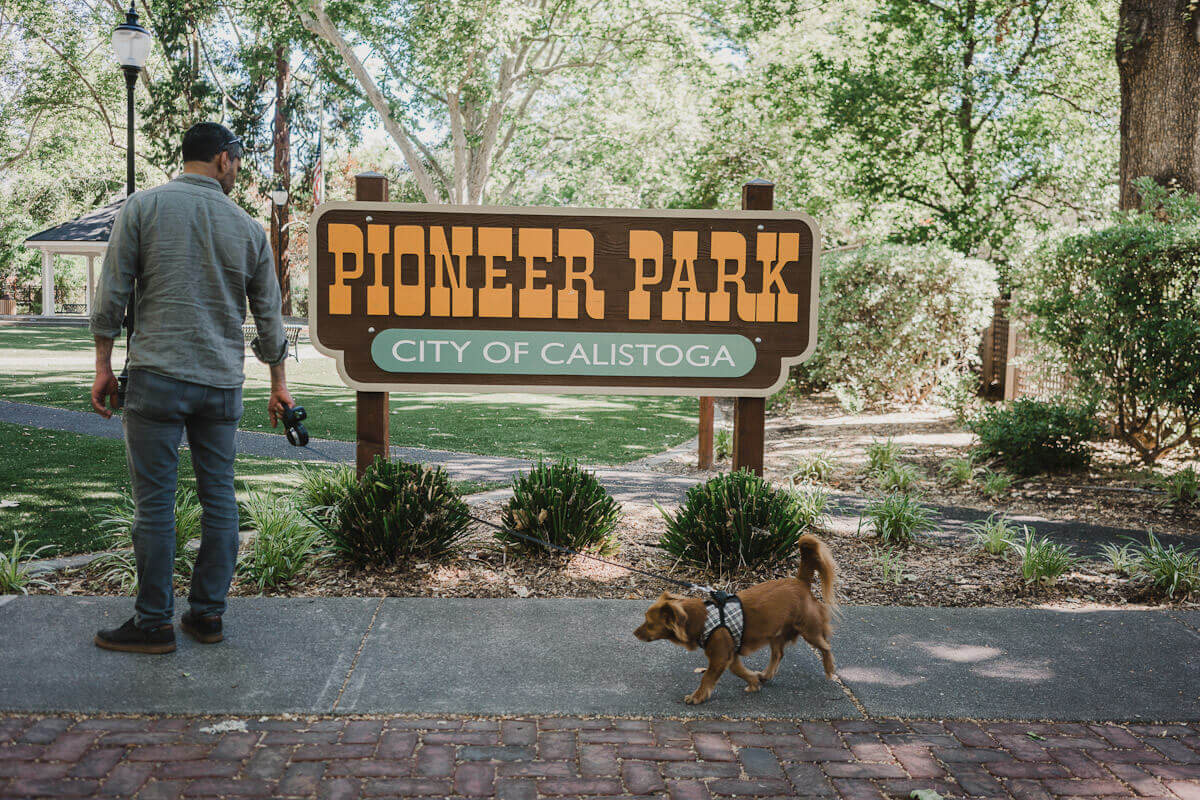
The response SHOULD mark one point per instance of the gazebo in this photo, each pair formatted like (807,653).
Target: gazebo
(84,236)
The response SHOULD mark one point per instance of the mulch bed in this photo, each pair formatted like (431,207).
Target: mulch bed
(942,573)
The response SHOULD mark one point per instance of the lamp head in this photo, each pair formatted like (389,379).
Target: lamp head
(131,41)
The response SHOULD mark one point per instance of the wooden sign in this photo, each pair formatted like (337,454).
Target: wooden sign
(427,297)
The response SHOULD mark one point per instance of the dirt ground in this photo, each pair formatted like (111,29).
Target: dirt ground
(1115,491)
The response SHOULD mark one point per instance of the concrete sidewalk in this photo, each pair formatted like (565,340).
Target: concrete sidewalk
(579,657)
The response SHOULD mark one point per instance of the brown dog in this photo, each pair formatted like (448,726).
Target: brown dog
(775,612)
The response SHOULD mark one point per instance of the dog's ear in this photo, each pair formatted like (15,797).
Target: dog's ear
(675,617)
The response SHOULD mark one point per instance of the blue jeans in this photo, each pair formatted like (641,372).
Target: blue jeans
(157,411)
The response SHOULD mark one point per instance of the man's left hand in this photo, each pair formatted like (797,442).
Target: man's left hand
(280,398)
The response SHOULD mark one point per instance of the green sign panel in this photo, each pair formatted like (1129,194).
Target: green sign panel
(478,352)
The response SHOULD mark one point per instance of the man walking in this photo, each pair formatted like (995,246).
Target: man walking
(196,257)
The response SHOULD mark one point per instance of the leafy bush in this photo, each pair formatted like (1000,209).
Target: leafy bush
(995,536)
(14,569)
(1031,435)
(321,489)
(958,471)
(994,484)
(881,455)
(897,321)
(735,520)
(283,541)
(562,504)
(117,520)
(816,468)
(1123,306)
(1182,486)
(1042,560)
(1169,569)
(811,504)
(722,444)
(899,519)
(398,511)
(899,478)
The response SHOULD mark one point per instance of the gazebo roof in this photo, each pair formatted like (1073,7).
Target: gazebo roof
(93,227)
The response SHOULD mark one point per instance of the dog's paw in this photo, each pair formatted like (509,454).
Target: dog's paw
(700,670)
(762,676)
(753,687)
(695,698)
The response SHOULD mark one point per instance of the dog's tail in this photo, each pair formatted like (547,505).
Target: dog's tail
(815,557)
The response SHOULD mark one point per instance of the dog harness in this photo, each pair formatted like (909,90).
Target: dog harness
(723,611)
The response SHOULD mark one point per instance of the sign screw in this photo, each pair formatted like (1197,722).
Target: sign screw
(370,330)
(757,339)
(371,219)
(760,227)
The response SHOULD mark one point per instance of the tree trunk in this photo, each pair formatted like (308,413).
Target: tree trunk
(1158,57)
(283,171)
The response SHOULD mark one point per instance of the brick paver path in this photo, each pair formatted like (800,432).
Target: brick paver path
(157,757)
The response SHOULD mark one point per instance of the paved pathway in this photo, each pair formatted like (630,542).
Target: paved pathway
(627,484)
(525,758)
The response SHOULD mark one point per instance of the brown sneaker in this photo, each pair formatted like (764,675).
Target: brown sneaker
(129,638)
(205,630)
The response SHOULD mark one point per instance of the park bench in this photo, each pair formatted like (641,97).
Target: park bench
(291,332)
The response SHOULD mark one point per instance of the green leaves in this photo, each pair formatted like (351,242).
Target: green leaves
(562,504)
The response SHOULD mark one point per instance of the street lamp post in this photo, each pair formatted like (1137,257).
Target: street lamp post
(131,42)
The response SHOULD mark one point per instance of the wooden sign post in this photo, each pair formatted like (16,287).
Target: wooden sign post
(749,413)
(371,407)
(563,300)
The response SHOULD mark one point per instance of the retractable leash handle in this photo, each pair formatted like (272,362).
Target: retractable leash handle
(293,418)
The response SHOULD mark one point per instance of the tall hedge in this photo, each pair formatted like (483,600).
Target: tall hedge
(898,321)
(1123,305)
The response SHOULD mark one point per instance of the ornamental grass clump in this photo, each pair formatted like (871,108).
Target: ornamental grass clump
(1169,569)
(958,471)
(1182,487)
(898,519)
(117,519)
(995,536)
(284,541)
(1042,560)
(563,504)
(899,478)
(396,512)
(320,490)
(14,567)
(881,455)
(736,521)
(816,468)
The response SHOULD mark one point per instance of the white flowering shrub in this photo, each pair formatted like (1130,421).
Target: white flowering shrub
(898,321)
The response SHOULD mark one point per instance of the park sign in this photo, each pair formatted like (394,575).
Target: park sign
(419,297)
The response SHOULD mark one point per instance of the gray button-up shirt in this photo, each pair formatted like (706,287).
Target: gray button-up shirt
(198,257)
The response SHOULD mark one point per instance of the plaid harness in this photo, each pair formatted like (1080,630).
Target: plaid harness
(723,611)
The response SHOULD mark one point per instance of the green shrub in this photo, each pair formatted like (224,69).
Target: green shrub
(1042,560)
(398,511)
(1031,435)
(562,504)
(1171,569)
(735,521)
(283,543)
(899,478)
(994,484)
(1182,486)
(321,489)
(898,519)
(816,468)
(14,567)
(958,471)
(117,520)
(1125,560)
(881,455)
(899,319)
(995,536)
(1122,305)
(722,444)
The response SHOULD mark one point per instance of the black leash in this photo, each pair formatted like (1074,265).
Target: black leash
(716,594)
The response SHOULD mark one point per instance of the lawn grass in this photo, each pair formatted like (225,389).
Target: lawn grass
(61,482)
(54,366)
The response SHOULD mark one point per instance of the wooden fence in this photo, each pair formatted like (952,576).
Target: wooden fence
(1014,364)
